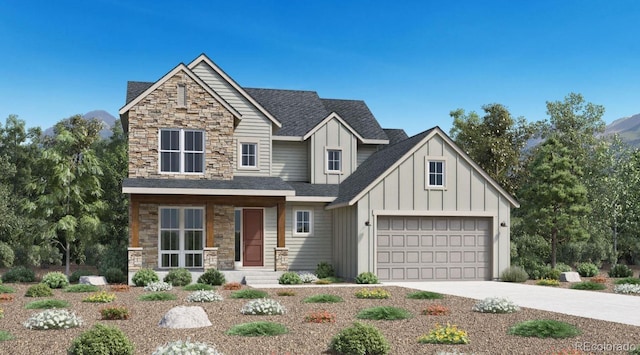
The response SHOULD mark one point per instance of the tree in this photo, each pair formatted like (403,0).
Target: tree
(69,189)
(495,142)
(554,201)
(18,150)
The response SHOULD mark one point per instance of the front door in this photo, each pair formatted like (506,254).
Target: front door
(252,237)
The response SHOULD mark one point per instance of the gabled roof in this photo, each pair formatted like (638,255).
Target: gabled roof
(357,115)
(395,135)
(135,88)
(381,163)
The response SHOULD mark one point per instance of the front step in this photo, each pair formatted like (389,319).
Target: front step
(253,277)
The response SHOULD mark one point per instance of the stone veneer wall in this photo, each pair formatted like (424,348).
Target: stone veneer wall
(160,109)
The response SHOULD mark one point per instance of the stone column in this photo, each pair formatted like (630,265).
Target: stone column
(135,259)
(281,259)
(210,258)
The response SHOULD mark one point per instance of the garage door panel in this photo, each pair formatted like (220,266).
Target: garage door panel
(397,240)
(426,240)
(455,257)
(441,257)
(397,273)
(413,257)
(455,273)
(426,256)
(383,240)
(397,257)
(442,240)
(412,273)
(384,257)
(426,273)
(455,240)
(413,241)
(442,273)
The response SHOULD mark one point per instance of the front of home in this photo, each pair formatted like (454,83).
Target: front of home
(232,178)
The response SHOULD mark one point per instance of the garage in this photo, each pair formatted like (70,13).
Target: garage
(433,248)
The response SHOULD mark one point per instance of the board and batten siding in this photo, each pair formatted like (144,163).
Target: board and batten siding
(466,193)
(291,161)
(365,151)
(333,134)
(305,252)
(254,126)
(270,236)
(345,244)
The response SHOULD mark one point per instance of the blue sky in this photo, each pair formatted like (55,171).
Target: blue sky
(411,61)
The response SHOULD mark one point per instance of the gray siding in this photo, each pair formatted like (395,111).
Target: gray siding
(291,161)
(345,244)
(332,135)
(305,252)
(254,127)
(365,151)
(270,236)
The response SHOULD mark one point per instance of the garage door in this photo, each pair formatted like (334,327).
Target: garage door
(433,248)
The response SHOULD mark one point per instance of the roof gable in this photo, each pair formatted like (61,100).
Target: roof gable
(359,117)
(332,116)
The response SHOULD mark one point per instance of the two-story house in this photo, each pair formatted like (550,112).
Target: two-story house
(227,177)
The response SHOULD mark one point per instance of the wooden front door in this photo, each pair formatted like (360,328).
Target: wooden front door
(252,237)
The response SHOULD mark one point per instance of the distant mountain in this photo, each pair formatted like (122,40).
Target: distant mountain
(628,128)
(107,121)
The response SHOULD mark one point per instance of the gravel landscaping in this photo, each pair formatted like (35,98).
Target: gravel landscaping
(487,332)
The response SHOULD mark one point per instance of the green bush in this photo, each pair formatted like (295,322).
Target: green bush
(424,295)
(263,306)
(212,277)
(19,274)
(198,287)
(178,277)
(588,285)
(290,278)
(115,313)
(101,339)
(548,282)
(514,274)
(53,319)
(75,276)
(449,334)
(324,270)
(144,276)
(544,328)
(257,329)
(115,275)
(360,339)
(55,279)
(6,289)
(115,256)
(4,335)
(7,255)
(249,294)
(550,273)
(323,298)
(384,313)
(562,267)
(158,296)
(39,290)
(628,280)
(620,270)
(100,297)
(376,293)
(587,269)
(82,288)
(47,304)
(367,278)
(495,305)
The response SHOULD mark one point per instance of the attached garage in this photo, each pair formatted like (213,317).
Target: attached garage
(433,248)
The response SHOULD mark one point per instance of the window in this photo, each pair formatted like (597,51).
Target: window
(249,155)
(302,223)
(181,151)
(334,160)
(181,237)
(435,173)
(182,95)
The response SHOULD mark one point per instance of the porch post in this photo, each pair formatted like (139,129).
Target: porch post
(210,253)
(209,217)
(135,222)
(281,253)
(281,222)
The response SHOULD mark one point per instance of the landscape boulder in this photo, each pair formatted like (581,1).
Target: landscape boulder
(570,276)
(185,317)
(93,280)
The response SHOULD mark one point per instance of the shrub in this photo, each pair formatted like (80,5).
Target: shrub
(6,289)
(115,256)
(100,297)
(186,348)
(145,276)
(119,288)
(115,275)
(360,339)
(562,267)
(307,277)
(290,278)
(329,280)
(4,335)
(323,282)
(198,287)
(249,294)
(514,274)
(324,270)
(620,270)
(436,310)
(47,304)
(212,277)
(588,285)
(544,328)
(445,335)
(550,273)
(75,276)
(7,256)
(101,339)
(19,274)
(626,288)
(115,313)
(5,297)
(232,286)
(323,298)
(55,279)
(39,290)
(178,277)
(367,278)
(384,313)
(263,306)
(376,293)
(286,293)
(320,317)
(601,279)
(587,269)
(257,329)
(158,286)
(424,295)
(495,305)
(158,296)
(548,282)
(628,280)
(204,296)
(53,319)
(81,288)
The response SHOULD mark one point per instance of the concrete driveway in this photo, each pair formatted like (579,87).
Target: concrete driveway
(589,304)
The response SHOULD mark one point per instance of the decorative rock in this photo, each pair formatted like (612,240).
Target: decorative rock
(185,317)
(93,280)
(570,276)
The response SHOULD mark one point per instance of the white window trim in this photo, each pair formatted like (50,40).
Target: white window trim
(427,171)
(182,151)
(295,223)
(248,141)
(326,160)
(181,251)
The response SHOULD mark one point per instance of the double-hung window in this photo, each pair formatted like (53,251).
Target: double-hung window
(181,151)
(435,173)
(303,222)
(181,239)
(249,155)
(334,160)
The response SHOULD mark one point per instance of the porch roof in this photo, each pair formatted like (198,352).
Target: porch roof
(238,186)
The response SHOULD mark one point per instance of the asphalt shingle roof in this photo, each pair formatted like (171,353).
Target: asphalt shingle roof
(358,116)
(395,135)
(238,183)
(307,189)
(135,88)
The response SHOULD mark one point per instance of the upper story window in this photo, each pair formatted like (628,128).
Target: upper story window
(435,173)
(334,160)
(249,155)
(181,151)
(303,222)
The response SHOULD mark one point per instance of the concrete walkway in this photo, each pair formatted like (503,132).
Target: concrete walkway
(589,304)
